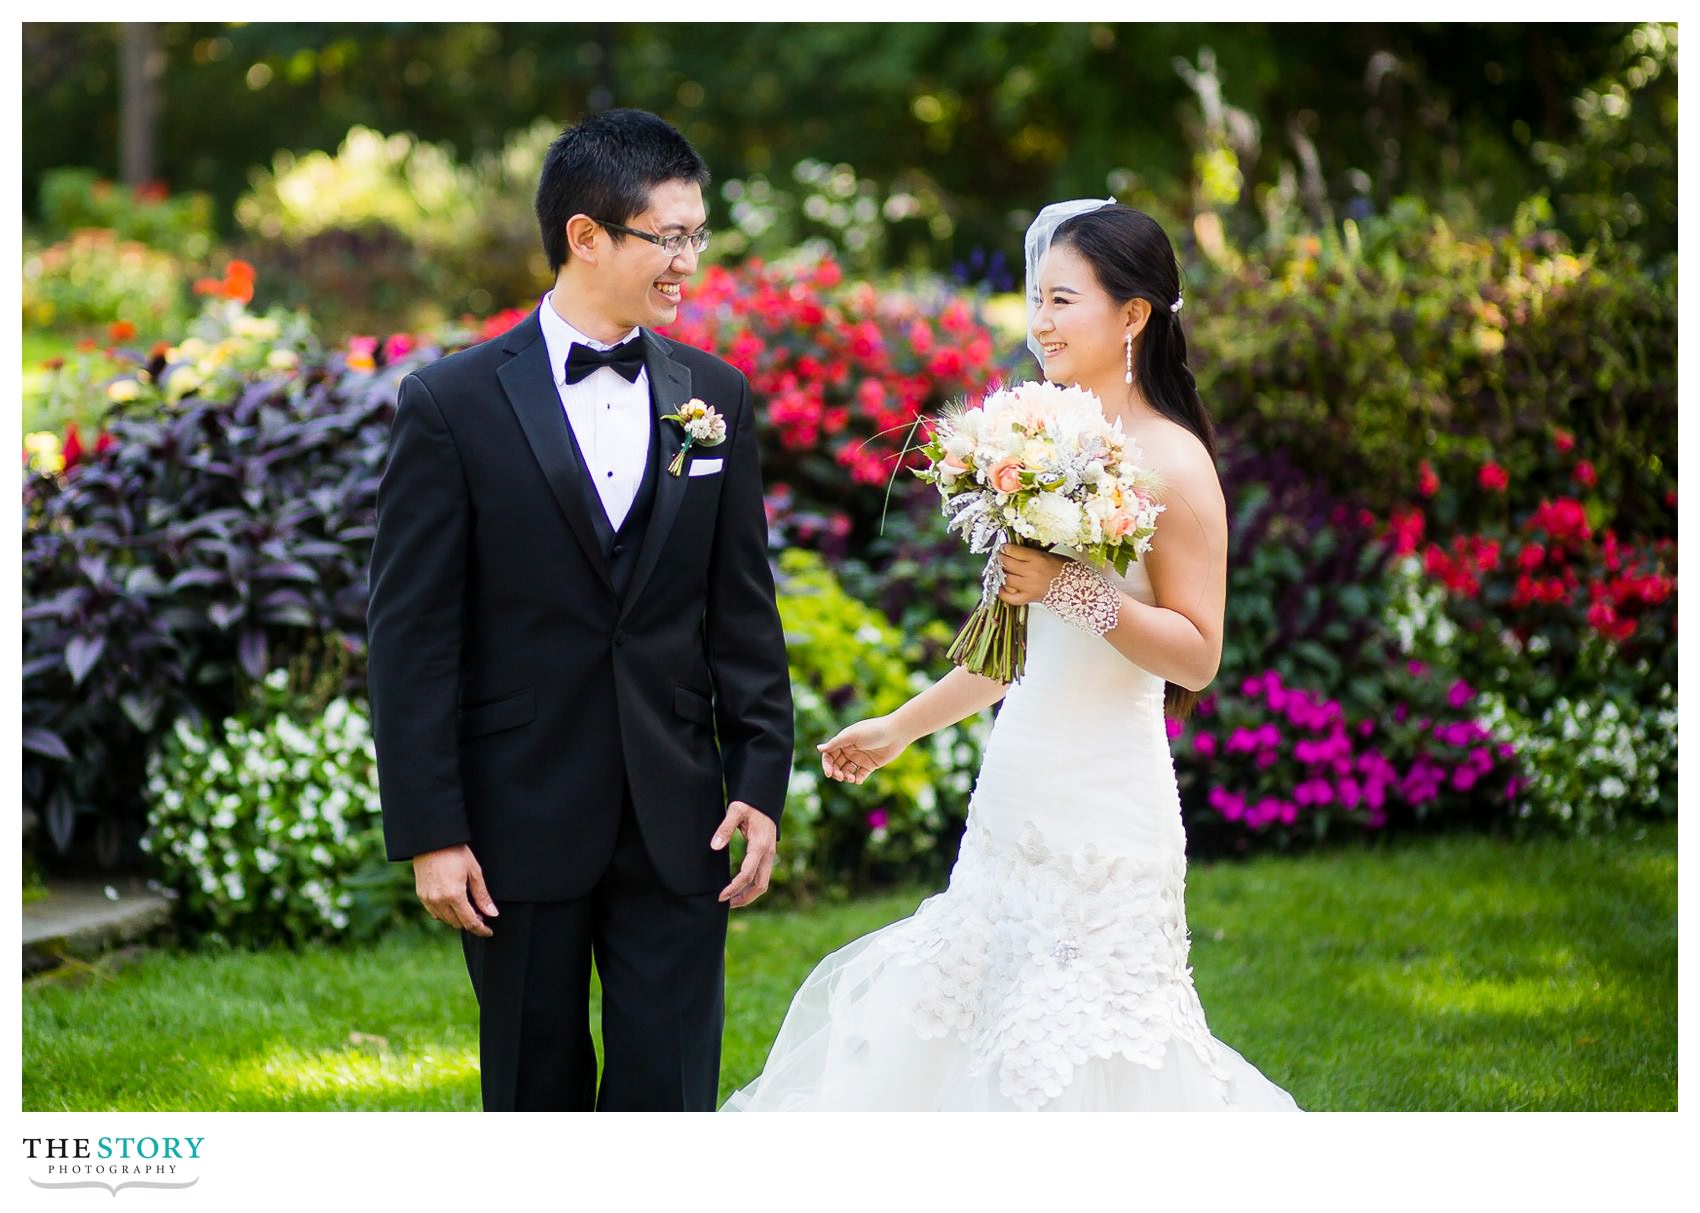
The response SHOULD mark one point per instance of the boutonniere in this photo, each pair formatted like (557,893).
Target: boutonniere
(701,424)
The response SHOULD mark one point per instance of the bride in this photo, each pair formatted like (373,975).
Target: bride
(1052,972)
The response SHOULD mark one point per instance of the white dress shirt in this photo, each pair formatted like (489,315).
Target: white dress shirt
(609,417)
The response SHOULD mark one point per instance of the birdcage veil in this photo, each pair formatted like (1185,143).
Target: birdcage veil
(1039,234)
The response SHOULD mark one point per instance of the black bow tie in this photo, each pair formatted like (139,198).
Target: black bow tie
(626,358)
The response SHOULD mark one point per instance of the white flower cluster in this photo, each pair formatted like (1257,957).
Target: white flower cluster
(1039,461)
(1416,609)
(258,825)
(1591,761)
(702,423)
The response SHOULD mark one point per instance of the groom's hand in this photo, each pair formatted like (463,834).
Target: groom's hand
(761,839)
(442,879)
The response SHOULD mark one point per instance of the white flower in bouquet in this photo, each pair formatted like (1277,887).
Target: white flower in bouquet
(1049,519)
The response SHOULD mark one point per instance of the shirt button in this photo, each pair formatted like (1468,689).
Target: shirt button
(610,474)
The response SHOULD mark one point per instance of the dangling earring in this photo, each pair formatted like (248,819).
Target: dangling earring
(1128,378)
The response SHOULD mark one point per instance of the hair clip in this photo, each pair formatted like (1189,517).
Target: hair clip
(1176,305)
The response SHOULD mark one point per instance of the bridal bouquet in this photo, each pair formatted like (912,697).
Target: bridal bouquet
(1038,465)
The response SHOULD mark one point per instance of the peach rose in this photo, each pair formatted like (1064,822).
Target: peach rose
(1005,475)
(1118,525)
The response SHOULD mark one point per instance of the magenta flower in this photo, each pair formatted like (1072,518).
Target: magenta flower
(1460,694)
(1172,727)
(1242,740)
(878,818)
(1205,744)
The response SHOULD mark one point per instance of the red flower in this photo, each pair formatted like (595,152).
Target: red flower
(87,344)
(828,275)
(1492,477)
(921,337)
(1428,484)
(72,447)
(1531,556)
(946,364)
(1585,474)
(104,443)
(120,330)
(1564,441)
(1405,530)
(956,318)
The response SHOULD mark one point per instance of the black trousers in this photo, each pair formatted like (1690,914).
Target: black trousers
(661,957)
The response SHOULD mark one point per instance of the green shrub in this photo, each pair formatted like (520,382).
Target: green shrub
(95,277)
(848,663)
(393,231)
(1404,340)
(267,827)
(181,224)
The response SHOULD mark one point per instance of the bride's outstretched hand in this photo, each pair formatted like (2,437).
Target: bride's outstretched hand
(857,751)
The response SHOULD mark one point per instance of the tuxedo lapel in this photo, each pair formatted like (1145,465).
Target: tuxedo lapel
(669,387)
(529,382)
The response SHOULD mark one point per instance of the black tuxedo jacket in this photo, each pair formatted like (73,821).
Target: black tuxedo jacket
(517,697)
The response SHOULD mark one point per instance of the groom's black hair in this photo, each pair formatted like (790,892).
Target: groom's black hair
(605,167)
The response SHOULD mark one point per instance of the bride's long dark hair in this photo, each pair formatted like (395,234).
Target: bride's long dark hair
(1133,259)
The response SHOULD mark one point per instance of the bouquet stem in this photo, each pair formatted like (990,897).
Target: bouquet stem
(993,641)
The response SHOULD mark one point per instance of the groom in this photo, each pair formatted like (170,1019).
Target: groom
(578,677)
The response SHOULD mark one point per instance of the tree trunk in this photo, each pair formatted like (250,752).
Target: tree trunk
(138,102)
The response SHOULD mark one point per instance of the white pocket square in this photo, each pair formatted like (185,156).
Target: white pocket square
(705,467)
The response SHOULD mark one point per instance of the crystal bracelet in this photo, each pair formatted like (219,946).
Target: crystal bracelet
(1084,597)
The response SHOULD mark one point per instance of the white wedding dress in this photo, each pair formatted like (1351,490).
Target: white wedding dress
(1052,972)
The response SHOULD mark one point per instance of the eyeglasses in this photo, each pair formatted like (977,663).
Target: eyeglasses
(674,244)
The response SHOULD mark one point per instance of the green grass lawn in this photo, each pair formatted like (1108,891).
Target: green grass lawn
(1450,973)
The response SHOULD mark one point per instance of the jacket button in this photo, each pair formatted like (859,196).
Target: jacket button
(619,638)
(619,549)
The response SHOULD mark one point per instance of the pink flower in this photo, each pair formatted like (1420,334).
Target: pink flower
(1118,525)
(1005,475)
(1492,477)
